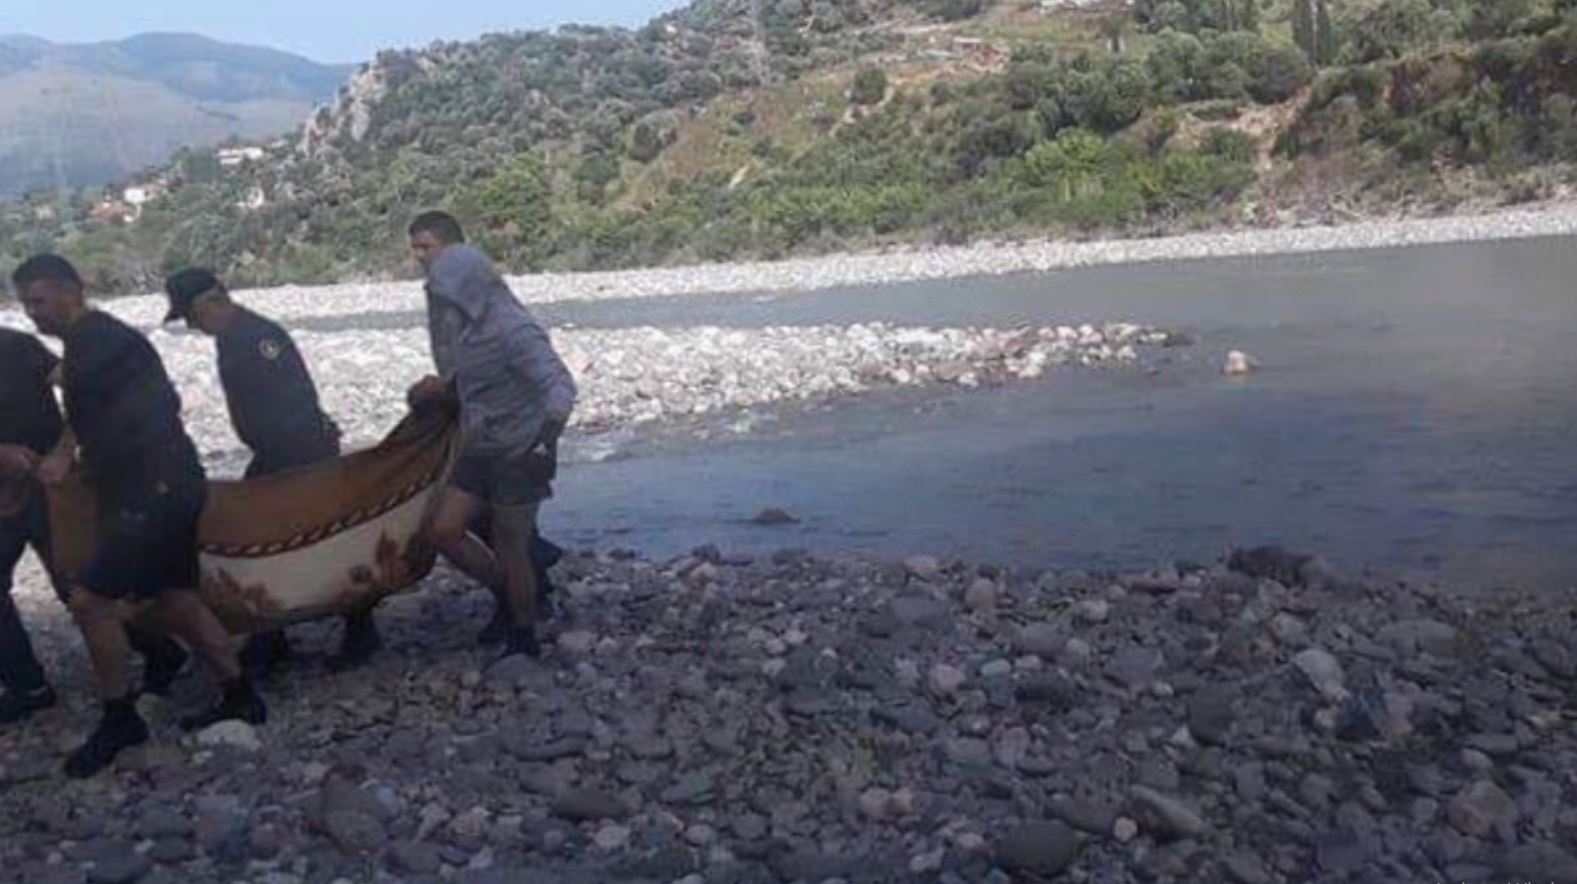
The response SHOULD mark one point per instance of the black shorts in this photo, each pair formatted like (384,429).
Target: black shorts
(147,539)
(505,479)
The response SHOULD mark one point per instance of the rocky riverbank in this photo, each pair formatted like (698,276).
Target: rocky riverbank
(980,259)
(715,719)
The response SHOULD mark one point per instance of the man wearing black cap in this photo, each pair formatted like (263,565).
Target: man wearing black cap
(124,427)
(275,410)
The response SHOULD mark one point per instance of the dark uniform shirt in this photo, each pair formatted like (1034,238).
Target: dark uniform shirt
(124,410)
(273,403)
(28,413)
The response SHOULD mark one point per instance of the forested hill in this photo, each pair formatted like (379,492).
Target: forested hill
(751,128)
(84,114)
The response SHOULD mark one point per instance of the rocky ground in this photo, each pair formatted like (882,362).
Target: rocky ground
(805,720)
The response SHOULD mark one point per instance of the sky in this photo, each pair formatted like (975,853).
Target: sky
(324,30)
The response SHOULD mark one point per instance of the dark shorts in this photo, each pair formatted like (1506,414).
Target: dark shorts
(147,540)
(505,480)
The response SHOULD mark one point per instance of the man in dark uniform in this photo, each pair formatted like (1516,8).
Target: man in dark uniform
(275,410)
(30,427)
(124,426)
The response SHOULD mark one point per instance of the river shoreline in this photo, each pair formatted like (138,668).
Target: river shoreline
(977,260)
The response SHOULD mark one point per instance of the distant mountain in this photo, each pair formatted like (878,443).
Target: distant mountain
(85,114)
(730,129)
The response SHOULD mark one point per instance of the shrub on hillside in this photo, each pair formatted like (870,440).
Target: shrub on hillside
(1395,27)
(954,10)
(870,86)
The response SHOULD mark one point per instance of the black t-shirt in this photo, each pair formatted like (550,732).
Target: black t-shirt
(273,403)
(123,408)
(28,413)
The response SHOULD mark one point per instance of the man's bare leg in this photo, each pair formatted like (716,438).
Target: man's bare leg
(449,529)
(184,615)
(103,622)
(103,625)
(513,527)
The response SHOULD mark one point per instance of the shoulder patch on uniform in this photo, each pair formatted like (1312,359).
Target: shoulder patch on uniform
(269,348)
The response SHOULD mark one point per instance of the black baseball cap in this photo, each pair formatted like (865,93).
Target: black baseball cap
(185,287)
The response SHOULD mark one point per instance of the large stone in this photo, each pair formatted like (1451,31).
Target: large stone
(162,822)
(1211,713)
(1135,667)
(1481,810)
(414,857)
(1088,814)
(234,734)
(117,863)
(945,680)
(1093,611)
(355,833)
(1246,868)
(876,804)
(586,805)
(775,516)
(1540,861)
(1042,849)
(1170,816)
(220,824)
(923,567)
(1324,672)
(981,596)
(577,641)
(1052,688)
(1041,639)
(611,837)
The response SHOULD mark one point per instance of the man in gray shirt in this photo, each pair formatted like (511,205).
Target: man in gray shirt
(515,397)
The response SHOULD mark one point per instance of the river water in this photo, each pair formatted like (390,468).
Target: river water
(1415,415)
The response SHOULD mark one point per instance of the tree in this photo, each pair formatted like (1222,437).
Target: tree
(954,10)
(645,143)
(1326,41)
(1393,28)
(1303,29)
(1279,73)
(870,86)
(1071,164)
(516,199)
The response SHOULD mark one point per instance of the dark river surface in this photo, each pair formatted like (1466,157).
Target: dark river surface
(1415,416)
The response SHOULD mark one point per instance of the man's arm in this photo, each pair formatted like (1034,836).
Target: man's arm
(53,467)
(532,356)
(17,461)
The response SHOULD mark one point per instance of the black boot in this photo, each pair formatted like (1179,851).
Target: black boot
(161,666)
(544,555)
(264,652)
(522,640)
(121,728)
(239,702)
(18,706)
(360,641)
